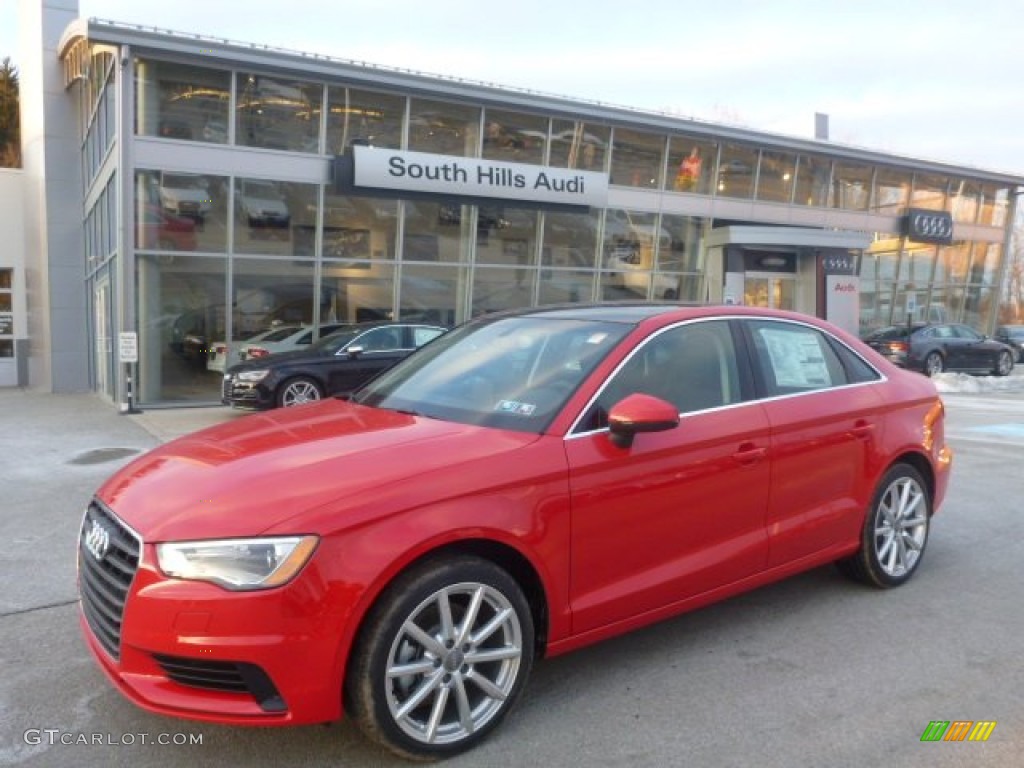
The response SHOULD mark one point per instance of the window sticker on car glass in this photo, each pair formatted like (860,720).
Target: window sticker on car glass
(796,359)
(514,406)
(597,338)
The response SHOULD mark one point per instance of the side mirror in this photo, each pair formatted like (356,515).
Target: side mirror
(640,413)
(354,352)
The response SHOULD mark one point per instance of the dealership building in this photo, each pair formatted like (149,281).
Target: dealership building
(180,191)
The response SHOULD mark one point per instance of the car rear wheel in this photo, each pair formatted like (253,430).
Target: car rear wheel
(934,364)
(298,391)
(895,531)
(1004,364)
(443,656)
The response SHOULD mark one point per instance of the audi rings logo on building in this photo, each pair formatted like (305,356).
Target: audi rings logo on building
(929,226)
(97,540)
(933,226)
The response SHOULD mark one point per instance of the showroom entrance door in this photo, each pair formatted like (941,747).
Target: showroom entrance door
(104,341)
(773,291)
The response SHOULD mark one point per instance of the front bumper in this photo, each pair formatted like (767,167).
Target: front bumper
(246,394)
(194,650)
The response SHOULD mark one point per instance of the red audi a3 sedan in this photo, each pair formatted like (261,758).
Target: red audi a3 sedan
(524,485)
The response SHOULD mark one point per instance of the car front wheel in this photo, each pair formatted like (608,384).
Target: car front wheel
(934,364)
(1004,364)
(298,391)
(441,659)
(895,531)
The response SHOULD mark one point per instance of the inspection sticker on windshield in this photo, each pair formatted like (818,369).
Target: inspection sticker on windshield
(514,406)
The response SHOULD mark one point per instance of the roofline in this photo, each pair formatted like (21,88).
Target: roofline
(232,52)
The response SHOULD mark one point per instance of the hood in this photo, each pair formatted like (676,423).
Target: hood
(260,363)
(184,193)
(245,477)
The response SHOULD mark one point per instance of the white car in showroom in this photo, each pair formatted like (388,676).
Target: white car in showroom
(186,195)
(629,273)
(224,354)
(299,338)
(261,206)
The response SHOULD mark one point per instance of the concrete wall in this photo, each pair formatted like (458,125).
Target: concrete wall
(58,358)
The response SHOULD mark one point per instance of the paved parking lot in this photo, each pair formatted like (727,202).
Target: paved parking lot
(810,672)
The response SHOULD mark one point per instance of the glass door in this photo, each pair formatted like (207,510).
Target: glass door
(772,291)
(104,342)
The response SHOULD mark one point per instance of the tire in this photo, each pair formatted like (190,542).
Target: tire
(670,295)
(895,531)
(1004,364)
(457,689)
(934,364)
(298,391)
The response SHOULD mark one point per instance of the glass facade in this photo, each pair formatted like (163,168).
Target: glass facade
(220,256)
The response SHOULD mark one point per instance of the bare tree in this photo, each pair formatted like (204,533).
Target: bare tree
(1011,309)
(10,126)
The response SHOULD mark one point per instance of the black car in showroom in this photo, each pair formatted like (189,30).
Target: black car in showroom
(337,364)
(936,347)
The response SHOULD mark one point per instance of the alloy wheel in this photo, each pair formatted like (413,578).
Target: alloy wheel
(453,663)
(299,392)
(933,364)
(901,527)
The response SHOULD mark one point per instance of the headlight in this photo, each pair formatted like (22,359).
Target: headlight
(252,375)
(240,564)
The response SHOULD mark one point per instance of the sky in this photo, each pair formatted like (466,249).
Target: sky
(935,80)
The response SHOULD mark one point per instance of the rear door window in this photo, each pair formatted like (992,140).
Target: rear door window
(794,358)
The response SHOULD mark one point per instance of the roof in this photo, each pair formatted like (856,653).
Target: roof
(629,312)
(636,312)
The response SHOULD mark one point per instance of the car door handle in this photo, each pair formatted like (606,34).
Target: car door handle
(748,453)
(862,430)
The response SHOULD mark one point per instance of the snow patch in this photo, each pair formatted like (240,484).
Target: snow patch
(964,383)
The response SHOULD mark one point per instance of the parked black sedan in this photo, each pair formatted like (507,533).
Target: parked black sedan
(337,364)
(1012,335)
(938,347)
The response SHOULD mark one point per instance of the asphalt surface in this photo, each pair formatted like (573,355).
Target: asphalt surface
(813,671)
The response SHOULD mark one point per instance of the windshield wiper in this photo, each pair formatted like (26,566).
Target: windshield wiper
(410,412)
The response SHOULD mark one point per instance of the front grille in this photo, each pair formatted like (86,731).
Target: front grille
(238,392)
(227,676)
(108,557)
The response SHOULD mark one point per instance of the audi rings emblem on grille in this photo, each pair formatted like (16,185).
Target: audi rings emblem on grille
(97,540)
(933,226)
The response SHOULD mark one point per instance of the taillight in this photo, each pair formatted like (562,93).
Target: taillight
(258,352)
(899,346)
(220,349)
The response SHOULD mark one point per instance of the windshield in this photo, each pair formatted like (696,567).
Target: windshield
(513,373)
(279,334)
(261,190)
(176,181)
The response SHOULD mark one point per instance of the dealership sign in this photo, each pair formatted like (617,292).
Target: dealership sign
(378,168)
(924,226)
